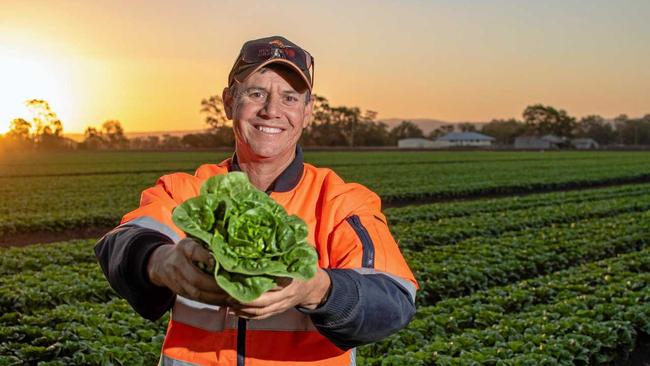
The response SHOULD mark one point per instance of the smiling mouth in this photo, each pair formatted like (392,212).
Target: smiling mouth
(269,130)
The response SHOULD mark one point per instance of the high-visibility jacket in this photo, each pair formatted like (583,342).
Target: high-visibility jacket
(372,294)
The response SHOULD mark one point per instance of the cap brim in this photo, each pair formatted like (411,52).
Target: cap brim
(293,66)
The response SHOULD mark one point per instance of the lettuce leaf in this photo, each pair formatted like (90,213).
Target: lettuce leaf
(251,237)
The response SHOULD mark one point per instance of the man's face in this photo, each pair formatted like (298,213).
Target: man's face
(268,113)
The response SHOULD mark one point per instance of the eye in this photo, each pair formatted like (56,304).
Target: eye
(290,99)
(257,95)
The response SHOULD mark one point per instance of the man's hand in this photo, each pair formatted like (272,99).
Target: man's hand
(288,294)
(172,266)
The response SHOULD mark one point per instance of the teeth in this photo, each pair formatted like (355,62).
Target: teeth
(271,130)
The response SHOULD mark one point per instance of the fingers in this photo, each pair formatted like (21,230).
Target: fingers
(195,252)
(183,277)
(257,313)
(268,304)
(209,297)
(266,299)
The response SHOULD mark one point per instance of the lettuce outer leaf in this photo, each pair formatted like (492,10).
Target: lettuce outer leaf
(195,216)
(251,237)
(244,288)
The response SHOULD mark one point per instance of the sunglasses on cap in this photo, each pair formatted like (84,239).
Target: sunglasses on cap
(253,53)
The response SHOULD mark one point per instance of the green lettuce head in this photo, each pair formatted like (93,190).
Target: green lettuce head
(250,236)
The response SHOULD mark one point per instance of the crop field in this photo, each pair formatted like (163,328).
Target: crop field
(523,258)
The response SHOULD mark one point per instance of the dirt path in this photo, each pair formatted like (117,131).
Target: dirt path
(24,239)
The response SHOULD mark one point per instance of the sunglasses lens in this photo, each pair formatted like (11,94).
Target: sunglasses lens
(261,52)
(257,52)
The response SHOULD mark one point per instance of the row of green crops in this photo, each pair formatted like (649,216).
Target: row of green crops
(584,315)
(72,193)
(545,279)
(426,233)
(56,308)
(35,258)
(479,263)
(81,333)
(31,164)
(436,211)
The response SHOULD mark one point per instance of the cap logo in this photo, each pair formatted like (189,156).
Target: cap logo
(277,43)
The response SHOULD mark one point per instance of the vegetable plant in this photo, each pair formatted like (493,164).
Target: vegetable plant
(251,237)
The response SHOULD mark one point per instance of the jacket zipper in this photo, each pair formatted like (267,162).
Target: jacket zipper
(368,256)
(241,342)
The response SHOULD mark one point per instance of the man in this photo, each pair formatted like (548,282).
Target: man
(363,291)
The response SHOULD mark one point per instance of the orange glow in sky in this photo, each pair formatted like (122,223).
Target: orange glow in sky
(148,64)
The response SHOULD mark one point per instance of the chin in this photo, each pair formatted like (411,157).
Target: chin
(266,151)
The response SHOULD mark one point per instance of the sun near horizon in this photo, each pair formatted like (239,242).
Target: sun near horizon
(452,61)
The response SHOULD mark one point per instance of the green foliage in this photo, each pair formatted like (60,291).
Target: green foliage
(59,191)
(543,279)
(250,236)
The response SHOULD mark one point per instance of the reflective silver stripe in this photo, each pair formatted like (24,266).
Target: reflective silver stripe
(353,357)
(199,315)
(290,320)
(168,361)
(215,318)
(410,287)
(153,224)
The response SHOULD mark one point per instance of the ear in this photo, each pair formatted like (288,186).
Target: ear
(228,100)
(308,114)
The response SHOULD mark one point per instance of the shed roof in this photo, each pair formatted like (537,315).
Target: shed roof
(465,136)
(415,139)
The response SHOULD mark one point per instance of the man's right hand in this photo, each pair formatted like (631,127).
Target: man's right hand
(172,266)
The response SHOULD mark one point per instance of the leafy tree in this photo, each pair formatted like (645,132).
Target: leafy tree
(110,136)
(221,133)
(113,134)
(171,142)
(597,128)
(372,133)
(406,129)
(548,120)
(504,131)
(93,139)
(348,120)
(19,129)
(467,127)
(199,140)
(18,137)
(631,131)
(44,121)
(322,131)
(213,109)
(44,131)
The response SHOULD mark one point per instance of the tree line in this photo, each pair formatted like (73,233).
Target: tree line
(335,126)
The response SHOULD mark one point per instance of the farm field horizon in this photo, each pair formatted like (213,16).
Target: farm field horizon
(522,258)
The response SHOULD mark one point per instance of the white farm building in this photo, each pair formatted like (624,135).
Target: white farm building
(535,142)
(470,139)
(414,143)
(585,144)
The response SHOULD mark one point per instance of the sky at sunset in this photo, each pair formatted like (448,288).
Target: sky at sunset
(148,64)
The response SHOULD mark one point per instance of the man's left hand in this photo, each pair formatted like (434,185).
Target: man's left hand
(308,294)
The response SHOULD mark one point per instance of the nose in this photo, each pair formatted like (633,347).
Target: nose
(272,107)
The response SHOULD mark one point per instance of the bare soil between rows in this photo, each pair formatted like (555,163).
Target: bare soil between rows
(45,237)
(640,356)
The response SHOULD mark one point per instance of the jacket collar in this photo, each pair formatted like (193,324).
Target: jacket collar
(287,180)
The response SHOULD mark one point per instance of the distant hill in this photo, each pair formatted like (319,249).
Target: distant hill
(426,125)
